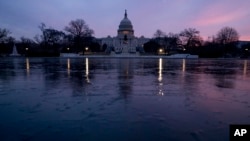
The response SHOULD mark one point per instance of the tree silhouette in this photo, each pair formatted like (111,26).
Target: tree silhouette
(171,42)
(4,35)
(190,38)
(165,41)
(151,47)
(6,41)
(227,35)
(159,38)
(81,33)
(227,38)
(24,45)
(159,34)
(79,28)
(49,41)
(50,36)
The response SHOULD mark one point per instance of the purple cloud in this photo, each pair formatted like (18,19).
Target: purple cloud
(104,16)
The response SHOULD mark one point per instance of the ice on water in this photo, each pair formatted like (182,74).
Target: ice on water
(122,99)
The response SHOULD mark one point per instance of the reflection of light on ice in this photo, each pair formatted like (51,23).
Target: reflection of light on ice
(161,93)
(87,66)
(183,65)
(27,66)
(127,67)
(245,68)
(160,70)
(68,66)
(87,69)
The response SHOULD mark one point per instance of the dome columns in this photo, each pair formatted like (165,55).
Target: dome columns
(125,28)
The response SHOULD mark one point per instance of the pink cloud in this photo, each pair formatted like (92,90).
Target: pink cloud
(206,20)
(220,14)
(245,37)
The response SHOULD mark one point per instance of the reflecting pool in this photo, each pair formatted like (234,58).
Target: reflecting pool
(125,99)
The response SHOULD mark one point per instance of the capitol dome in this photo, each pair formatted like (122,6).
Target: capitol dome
(125,24)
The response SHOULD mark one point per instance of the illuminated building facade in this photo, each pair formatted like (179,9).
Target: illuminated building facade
(125,42)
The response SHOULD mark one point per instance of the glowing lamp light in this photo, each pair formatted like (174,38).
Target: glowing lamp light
(86,48)
(26,48)
(161,50)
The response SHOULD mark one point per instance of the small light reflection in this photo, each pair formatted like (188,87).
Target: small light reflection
(27,66)
(161,93)
(87,69)
(126,72)
(245,68)
(68,66)
(127,68)
(160,70)
(184,65)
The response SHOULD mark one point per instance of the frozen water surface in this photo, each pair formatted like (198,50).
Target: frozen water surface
(122,99)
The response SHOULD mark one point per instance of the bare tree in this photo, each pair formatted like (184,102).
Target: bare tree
(79,28)
(159,34)
(190,38)
(4,35)
(167,42)
(227,35)
(159,37)
(227,38)
(50,36)
(6,41)
(171,42)
(81,34)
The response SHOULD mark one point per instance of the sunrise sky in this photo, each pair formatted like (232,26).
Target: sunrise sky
(22,17)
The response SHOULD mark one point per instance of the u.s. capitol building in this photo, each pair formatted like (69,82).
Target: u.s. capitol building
(125,42)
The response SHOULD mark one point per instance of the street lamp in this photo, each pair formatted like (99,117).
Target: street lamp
(68,48)
(161,50)
(246,49)
(86,48)
(26,51)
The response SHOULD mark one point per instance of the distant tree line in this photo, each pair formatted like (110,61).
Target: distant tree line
(223,44)
(77,37)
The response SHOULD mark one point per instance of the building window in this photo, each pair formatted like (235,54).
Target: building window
(125,32)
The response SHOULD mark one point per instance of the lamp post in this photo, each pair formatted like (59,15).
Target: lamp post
(26,51)
(160,51)
(246,53)
(86,50)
